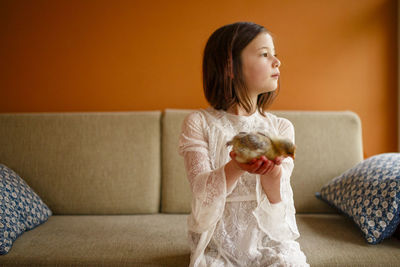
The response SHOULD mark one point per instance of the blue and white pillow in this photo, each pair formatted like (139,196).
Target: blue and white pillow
(21,209)
(369,193)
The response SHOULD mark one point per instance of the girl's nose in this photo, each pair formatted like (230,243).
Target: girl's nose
(276,63)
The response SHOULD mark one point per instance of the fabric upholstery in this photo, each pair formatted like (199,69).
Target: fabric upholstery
(334,240)
(176,195)
(133,240)
(160,240)
(87,163)
(328,143)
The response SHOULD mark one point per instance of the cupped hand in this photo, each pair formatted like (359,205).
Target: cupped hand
(260,165)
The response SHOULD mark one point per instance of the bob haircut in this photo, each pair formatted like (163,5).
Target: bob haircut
(223,81)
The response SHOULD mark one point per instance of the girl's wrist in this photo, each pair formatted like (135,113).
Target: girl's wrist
(233,166)
(232,173)
(272,190)
(271,184)
(274,175)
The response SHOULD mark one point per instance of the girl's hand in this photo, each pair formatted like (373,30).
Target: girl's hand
(261,165)
(270,172)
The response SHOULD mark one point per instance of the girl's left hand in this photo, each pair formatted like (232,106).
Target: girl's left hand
(269,166)
(261,165)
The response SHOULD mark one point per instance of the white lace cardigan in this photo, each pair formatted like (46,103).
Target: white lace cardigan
(236,226)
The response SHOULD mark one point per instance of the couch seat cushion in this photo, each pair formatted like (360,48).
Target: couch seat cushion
(160,240)
(132,240)
(334,240)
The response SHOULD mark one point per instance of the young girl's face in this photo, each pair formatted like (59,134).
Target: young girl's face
(260,67)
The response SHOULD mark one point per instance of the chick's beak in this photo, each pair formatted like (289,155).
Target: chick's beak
(293,153)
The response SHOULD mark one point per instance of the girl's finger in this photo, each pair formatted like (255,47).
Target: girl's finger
(255,166)
(262,168)
(270,166)
(266,165)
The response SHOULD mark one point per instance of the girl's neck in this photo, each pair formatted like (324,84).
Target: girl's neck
(238,110)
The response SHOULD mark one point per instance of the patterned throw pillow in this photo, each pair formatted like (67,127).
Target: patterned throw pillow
(21,209)
(369,193)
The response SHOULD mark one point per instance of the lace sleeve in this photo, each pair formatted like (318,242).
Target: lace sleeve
(286,129)
(208,186)
(278,220)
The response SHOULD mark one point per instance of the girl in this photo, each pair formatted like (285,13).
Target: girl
(242,214)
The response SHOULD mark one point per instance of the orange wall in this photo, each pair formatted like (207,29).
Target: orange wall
(145,55)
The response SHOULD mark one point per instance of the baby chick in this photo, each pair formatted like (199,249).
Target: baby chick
(248,146)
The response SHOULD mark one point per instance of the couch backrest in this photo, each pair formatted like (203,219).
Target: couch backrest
(109,163)
(328,143)
(87,163)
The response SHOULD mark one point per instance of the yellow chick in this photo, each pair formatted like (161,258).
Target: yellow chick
(248,146)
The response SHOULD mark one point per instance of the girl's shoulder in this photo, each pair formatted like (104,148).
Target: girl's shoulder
(202,117)
(280,123)
(276,119)
(212,113)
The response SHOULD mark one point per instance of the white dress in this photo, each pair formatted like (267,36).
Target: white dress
(236,226)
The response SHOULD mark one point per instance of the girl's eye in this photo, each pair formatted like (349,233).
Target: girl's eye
(266,55)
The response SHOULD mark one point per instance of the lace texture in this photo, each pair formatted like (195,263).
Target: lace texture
(237,226)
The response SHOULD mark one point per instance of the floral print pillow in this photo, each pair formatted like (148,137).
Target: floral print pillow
(21,209)
(369,193)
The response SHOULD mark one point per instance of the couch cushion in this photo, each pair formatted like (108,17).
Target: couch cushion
(161,240)
(119,240)
(175,195)
(369,193)
(87,163)
(328,143)
(334,240)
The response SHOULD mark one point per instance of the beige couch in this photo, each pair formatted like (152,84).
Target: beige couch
(119,195)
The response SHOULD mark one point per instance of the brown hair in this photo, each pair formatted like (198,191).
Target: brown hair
(223,81)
